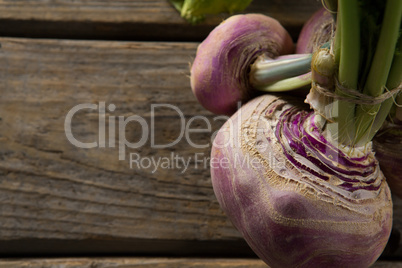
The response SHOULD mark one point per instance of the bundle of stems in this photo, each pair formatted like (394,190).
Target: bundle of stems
(367,54)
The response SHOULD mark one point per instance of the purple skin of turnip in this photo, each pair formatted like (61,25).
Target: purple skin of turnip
(219,73)
(298,199)
(388,147)
(315,32)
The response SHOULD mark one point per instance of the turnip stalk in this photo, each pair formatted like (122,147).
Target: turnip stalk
(379,70)
(287,84)
(265,71)
(388,141)
(343,126)
(394,80)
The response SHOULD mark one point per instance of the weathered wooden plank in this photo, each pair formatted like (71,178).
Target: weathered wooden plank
(128,20)
(134,262)
(145,11)
(150,262)
(51,190)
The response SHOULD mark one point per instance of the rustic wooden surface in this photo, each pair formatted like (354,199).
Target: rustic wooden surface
(50,189)
(129,20)
(145,11)
(67,192)
(150,262)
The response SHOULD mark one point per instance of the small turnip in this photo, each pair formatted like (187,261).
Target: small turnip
(220,71)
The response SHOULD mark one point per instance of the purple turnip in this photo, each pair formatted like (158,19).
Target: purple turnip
(220,71)
(317,31)
(297,199)
(303,186)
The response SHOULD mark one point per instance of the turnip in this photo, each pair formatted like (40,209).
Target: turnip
(236,59)
(316,31)
(297,199)
(303,185)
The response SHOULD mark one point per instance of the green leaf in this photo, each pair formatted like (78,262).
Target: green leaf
(178,4)
(195,10)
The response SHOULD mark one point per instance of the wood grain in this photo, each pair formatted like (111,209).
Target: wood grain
(145,11)
(50,190)
(151,262)
(129,19)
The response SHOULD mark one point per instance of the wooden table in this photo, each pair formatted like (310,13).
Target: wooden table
(65,202)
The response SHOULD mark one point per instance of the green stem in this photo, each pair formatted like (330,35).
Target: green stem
(394,80)
(344,112)
(266,71)
(287,84)
(350,43)
(336,46)
(379,70)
